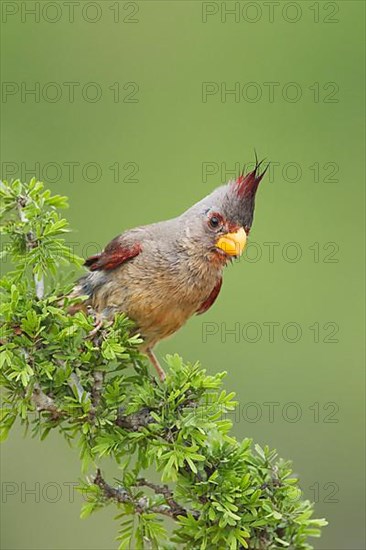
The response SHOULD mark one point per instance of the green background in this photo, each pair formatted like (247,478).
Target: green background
(169,132)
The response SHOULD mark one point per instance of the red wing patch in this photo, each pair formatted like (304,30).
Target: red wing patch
(211,299)
(113,256)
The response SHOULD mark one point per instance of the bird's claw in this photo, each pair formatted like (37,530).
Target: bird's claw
(96,328)
(98,322)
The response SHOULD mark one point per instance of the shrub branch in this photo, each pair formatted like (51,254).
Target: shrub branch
(90,382)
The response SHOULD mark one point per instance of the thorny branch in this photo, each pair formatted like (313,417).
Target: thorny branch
(132,422)
(166,492)
(45,403)
(97,387)
(31,243)
(141,504)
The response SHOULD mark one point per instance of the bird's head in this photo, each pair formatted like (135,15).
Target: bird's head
(222,220)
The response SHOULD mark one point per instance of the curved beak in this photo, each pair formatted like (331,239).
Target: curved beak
(233,243)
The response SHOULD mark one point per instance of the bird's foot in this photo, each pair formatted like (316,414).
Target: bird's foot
(96,329)
(156,364)
(98,323)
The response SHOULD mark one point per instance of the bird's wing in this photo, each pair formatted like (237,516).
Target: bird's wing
(211,299)
(115,253)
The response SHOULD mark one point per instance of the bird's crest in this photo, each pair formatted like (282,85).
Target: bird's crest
(247,185)
(239,196)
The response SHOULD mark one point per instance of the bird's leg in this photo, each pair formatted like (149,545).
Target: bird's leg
(98,317)
(155,362)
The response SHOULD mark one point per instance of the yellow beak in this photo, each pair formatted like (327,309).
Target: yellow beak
(233,243)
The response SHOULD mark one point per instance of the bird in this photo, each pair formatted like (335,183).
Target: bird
(163,273)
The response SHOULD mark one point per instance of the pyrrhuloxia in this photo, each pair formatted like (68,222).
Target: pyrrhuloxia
(161,274)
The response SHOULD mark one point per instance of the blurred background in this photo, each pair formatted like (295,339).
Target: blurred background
(136,110)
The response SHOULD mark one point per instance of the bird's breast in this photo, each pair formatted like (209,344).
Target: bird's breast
(159,296)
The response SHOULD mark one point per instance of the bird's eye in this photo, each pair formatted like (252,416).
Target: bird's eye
(215,221)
